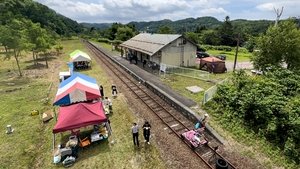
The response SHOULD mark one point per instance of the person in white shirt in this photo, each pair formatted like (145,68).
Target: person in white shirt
(135,134)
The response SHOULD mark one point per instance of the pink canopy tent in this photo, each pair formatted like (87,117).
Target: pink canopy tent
(79,115)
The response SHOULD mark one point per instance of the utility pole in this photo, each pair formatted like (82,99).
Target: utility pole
(236,52)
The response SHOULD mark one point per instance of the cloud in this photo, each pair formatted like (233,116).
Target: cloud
(74,9)
(148,10)
(290,7)
(214,11)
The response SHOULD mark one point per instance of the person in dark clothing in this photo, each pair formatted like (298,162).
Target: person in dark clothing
(101,91)
(114,90)
(135,134)
(144,63)
(146,131)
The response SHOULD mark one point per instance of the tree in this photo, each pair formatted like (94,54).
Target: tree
(112,31)
(39,40)
(281,44)
(194,37)
(4,37)
(165,30)
(45,43)
(225,32)
(17,39)
(124,33)
(250,44)
(210,37)
(58,48)
(199,29)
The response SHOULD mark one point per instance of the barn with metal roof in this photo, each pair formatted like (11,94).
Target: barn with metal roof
(170,49)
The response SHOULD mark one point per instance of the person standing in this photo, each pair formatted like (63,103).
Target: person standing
(101,91)
(135,134)
(146,131)
(144,63)
(114,90)
(107,102)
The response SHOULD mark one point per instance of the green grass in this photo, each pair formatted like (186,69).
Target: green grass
(30,146)
(108,48)
(179,84)
(19,96)
(242,56)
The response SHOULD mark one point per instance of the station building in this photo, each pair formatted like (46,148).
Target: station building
(169,49)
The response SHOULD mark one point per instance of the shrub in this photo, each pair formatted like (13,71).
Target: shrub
(104,40)
(268,104)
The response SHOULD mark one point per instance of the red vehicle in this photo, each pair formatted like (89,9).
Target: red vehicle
(195,138)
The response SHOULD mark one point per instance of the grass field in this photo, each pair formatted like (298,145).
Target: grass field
(30,145)
(179,84)
(242,56)
(107,47)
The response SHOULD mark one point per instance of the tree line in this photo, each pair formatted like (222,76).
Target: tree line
(38,13)
(21,30)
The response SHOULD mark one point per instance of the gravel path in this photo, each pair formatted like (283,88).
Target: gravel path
(173,151)
(239,65)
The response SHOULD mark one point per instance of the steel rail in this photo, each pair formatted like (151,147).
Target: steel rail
(136,88)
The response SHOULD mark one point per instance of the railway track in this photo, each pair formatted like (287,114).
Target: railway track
(173,119)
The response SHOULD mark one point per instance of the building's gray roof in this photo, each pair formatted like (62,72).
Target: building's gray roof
(149,43)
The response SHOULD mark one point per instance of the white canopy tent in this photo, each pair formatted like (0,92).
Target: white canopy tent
(81,60)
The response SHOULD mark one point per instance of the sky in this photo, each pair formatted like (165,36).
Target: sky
(124,11)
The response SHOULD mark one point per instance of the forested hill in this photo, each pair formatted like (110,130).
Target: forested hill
(192,24)
(253,27)
(179,26)
(100,26)
(38,13)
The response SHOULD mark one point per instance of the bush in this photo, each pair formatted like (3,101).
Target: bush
(104,40)
(221,48)
(267,104)
(243,50)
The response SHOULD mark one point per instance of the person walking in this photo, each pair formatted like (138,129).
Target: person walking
(146,131)
(135,134)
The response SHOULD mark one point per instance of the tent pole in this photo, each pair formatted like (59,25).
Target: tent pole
(109,128)
(55,114)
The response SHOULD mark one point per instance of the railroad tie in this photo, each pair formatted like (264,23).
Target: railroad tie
(207,154)
(174,125)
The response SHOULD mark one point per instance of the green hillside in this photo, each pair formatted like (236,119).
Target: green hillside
(179,26)
(38,13)
(253,27)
